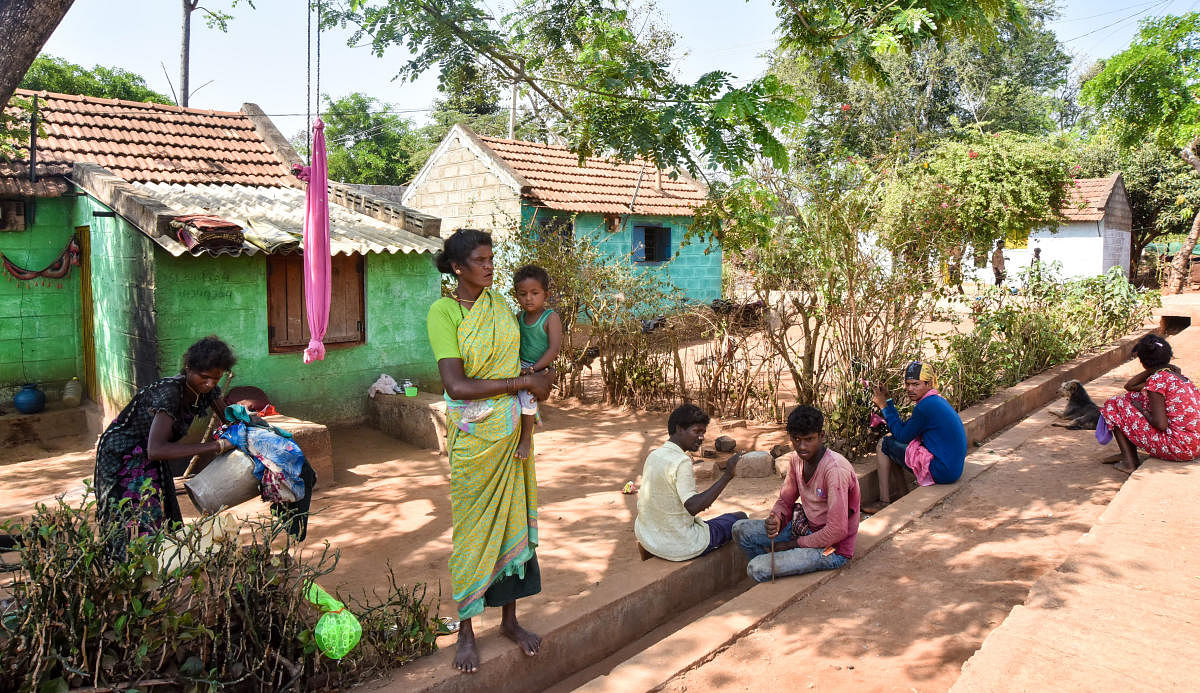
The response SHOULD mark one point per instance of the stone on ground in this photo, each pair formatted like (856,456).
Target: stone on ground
(755,464)
(781,465)
(780,449)
(725,444)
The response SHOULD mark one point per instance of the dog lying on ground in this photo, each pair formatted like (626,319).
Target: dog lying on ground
(1081,412)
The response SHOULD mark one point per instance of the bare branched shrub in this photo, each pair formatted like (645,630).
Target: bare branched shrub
(193,609)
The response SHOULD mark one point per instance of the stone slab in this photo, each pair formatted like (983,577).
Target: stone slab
(313,439)
(419,421)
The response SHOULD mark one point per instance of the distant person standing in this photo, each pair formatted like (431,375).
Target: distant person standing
(998,262)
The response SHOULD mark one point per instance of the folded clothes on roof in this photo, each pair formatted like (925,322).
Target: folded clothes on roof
(207,232)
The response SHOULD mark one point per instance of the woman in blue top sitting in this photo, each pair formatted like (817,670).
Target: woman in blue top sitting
(932,443)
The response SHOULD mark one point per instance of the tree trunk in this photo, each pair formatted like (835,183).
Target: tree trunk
(185,43)
(1180,268)
(27,24)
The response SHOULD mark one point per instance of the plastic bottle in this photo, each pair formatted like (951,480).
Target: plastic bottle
(72,393)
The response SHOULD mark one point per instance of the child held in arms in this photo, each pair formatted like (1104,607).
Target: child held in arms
(541,340)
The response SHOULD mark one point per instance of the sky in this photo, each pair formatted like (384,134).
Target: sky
(262,59)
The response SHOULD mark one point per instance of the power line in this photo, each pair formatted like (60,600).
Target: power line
(1156,5)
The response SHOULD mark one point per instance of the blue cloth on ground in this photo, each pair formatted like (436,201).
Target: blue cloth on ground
(941,431)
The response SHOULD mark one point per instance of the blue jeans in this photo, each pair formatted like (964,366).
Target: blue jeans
(751,535)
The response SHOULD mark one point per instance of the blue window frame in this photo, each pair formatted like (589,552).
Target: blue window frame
(651,244)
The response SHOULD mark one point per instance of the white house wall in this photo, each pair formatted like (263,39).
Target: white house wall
(1078,248)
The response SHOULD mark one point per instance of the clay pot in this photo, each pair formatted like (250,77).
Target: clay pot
(29,400)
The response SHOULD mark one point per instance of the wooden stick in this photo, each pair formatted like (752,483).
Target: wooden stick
(772,559)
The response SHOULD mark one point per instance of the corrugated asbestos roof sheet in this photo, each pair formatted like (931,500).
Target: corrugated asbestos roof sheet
(51,179)
(273,216)
(601,186)
(149,143)
(1089,198)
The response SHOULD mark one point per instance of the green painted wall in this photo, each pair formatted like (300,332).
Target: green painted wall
(695,267)
(122,270)
(227,296)
(39,325)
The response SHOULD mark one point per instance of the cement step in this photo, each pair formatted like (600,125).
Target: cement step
(57,421)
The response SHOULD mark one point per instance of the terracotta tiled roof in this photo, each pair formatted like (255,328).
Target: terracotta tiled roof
(557,181)
(1088,198)
(145,142)
(51,179)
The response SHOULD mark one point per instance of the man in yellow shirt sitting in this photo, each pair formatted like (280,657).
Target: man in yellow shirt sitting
(668,503)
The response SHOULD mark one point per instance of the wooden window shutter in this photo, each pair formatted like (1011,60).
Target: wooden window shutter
(287,319)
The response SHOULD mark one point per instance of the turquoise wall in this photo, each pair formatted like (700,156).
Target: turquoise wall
(695,266)
(227,296)
(39,321)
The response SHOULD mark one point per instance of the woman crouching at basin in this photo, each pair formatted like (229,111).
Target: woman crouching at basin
(493,493)
(1160,413)
(132,457)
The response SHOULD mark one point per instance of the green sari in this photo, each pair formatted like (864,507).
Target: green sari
(493,494)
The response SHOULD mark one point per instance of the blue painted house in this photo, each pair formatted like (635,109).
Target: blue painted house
(633,210)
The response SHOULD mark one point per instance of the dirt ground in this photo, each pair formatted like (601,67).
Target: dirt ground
(907,615)
(391,503)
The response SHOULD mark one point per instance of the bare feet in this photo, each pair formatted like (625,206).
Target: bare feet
(875,508)
(466,658)
(530,642)
(1113,458)
(1126,467)
(522,452)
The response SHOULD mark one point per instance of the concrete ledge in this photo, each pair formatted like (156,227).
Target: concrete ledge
(419,421)
(583,632)
(55,422)
(313,439)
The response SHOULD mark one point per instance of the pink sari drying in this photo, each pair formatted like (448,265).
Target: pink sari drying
(316,248)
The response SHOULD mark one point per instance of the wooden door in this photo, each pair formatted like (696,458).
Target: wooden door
(87,324)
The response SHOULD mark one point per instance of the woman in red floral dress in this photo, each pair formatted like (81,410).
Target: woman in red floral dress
(1160,413)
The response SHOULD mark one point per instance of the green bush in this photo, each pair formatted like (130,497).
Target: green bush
(1048,322)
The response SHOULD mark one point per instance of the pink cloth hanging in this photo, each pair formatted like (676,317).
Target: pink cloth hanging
(316,248)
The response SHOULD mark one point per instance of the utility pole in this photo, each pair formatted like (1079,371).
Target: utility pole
(512,112)
(188,7)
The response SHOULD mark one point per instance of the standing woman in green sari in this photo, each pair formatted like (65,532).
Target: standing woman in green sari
(493,493)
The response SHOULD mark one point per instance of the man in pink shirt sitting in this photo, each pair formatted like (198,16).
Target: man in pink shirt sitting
(819,532)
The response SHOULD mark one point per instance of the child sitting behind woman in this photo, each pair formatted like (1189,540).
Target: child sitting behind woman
(541,340)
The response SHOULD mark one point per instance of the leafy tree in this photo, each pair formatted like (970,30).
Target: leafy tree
(1164,193)
(609,95)
(1007,84)
(967,194)
(368,144)
(1150,92)
(56,74)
